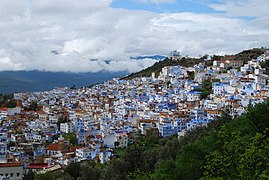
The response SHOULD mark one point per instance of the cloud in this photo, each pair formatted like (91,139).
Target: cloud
(78,36)
(255,8)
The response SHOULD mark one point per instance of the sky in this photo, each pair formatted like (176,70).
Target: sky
(81,36)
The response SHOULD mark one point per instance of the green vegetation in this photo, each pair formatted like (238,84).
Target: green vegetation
(226,149)
(206,87)
(7,100)
(71,137)
(248,55)
(266,66)
(157,67)
(32,106)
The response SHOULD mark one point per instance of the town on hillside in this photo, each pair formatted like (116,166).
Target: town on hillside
(46,131)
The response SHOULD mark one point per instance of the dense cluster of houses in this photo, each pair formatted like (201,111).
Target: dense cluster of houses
(88,123)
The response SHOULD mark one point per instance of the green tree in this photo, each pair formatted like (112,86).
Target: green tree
(259,116)
(89,171)
(116,169)
(73,169)
(47,176)
(33,106)
(71,137)
(166,170)
(11,103)
(254,162)
(29,176)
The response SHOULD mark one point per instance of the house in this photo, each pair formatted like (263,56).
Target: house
(218,88)
(11,171)
(67,127)
(121,139)
(228,63)
(57,148)
(85,153)
(145,124)
(166,130)
(3,113)
(193,95)
(81,136)
(42,116)
(212,114)
(36,167)
(3,152)
(13,111)
(104,155)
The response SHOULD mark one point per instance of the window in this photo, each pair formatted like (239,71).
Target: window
(18,174)
(11,174)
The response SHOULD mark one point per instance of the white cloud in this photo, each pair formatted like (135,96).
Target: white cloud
(82,34)
(256,8)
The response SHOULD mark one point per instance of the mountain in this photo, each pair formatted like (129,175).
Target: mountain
(30,81)
(245,56)
(156,57)
(157,67)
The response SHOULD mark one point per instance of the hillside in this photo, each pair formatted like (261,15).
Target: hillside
(224,149)
(30,81)
(245,56)
(157,67)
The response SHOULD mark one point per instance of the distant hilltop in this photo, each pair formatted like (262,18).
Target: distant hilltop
(176,59)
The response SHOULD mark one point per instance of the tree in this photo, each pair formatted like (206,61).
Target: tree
(46,176)
(71,137)
(73,169)
(254,162)
(259,116)
(166,170)
(11,103)
(116,169)
(116,144)
(89,171)
(33,106)
(29,176)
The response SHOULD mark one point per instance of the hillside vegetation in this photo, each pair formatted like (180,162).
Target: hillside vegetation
(245,56)
(225,149)
(157,67)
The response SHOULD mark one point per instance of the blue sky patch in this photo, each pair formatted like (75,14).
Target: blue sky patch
(178,6)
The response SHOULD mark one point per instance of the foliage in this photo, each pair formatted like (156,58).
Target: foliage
(47,176)
(11,103)
(73,169)
(157,67)
(206,88)
(7,100)
(32,106)
(71,137)
(29,176)
(62,119)
(89,171)
(248,55)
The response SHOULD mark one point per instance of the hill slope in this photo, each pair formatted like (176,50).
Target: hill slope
(157,67)
(225,149)
(245,56)
(29,81)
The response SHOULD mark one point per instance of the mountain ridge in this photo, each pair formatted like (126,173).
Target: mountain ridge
(245,55)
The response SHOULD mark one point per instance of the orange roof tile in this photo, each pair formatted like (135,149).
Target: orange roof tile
(3,109)
(53,147)
(10,164)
